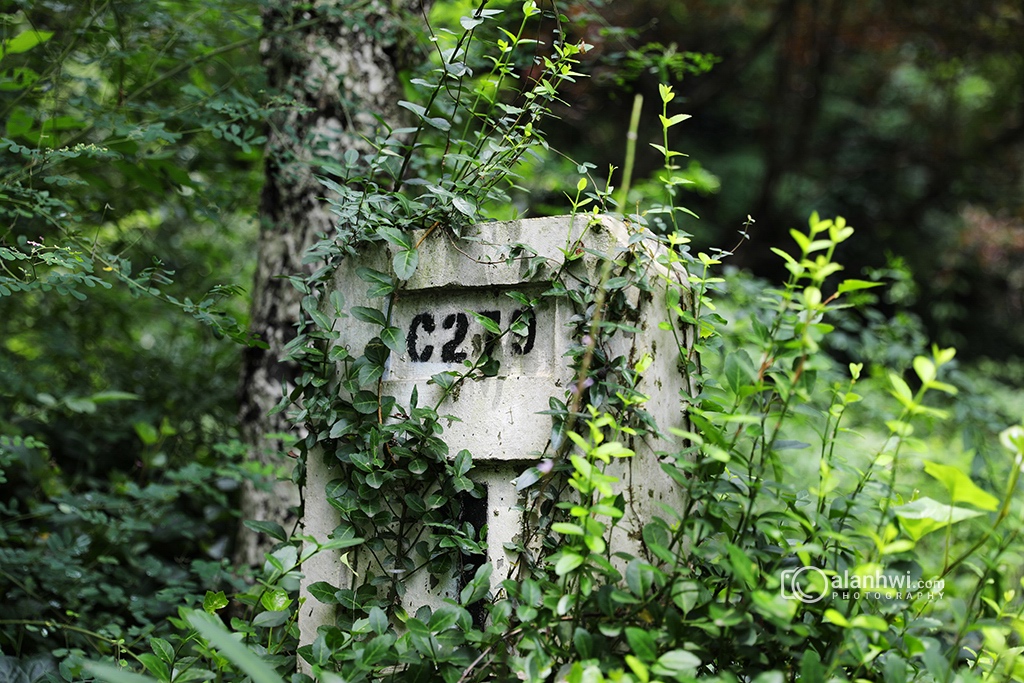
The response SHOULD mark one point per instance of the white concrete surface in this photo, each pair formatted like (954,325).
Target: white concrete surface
(498,423)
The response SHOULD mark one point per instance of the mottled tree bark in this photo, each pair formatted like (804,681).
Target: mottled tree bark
(338,61)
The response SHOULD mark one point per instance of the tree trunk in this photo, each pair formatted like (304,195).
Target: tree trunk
(339,65)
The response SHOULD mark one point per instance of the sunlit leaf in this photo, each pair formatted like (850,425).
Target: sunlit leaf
(25,41)
(961,488)
(925,515)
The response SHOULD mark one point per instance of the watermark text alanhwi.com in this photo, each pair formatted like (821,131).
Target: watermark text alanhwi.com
(811,584)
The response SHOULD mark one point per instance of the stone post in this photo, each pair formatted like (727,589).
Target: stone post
(497,415)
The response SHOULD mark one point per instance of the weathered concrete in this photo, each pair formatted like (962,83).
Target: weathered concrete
(498,417)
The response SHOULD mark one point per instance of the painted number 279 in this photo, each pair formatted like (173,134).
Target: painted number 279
(456,326)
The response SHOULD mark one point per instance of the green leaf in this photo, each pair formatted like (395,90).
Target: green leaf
(870,622)
(62,123)
(679,662)
(898,428)
(113,674)
(214,601)
(836,617)
(568,562)
(478,587)
(925,515)
(567,529)
(340,428)
(78,404)
(155,666)
(789,259)
(742,566)
(854,285)
(445,380)
(439,122)
(270,619)
(147,433)
(275,600)
(900,389)
(417,109)
(25,41)
(321,652)
(943,356)
(465,207)
(378,620)
(369,315)
(667,122)
(789,444)
(488,323)
(642,644)
(324,592)
(463,462)
(19,122)
(405,263)
(925,369)
(811,670)
(895,668)
(961,488)
(365,402)
(802,240)
(162,649)
(444,617)
(639,577)
(739,371)
(638,668)
(245,659)
(529,477)
(616,283)
(943,387)
(395,236)
(18,78)
(106,396)
(657,539)
(381,284)
(376,649)
(393,339)
(345,541)
(272,529)
(584,642)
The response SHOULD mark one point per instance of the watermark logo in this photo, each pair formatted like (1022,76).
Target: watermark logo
(806,584)
(811,584)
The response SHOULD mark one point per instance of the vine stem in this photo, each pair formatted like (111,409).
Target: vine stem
(426,234)
(631,138)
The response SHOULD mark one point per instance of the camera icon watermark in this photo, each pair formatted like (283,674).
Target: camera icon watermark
(798,584)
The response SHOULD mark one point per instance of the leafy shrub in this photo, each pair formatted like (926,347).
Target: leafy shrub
(98,564)
(117,459)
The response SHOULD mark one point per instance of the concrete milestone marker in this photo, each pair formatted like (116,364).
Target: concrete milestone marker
(498,421)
